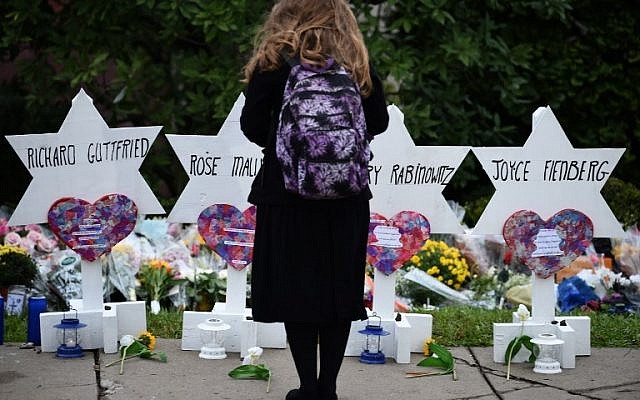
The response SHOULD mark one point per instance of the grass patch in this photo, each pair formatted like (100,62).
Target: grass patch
(452,326)
(466,326)
(614,330)
(166,324)
(15,328)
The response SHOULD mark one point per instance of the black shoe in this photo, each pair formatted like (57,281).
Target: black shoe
(293,395)
(297,394)
(332,396)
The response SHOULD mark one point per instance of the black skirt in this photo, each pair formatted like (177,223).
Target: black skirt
(309,262)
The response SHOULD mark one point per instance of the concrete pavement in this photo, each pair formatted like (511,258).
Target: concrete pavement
(26,374)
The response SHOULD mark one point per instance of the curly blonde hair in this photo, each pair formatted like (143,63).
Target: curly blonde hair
(312,30)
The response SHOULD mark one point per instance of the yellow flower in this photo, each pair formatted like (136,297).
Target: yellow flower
(415,259)
(456,286)
(440,278)
(450,282)
(148,339)
(160,264)
(5,249)
(425,346)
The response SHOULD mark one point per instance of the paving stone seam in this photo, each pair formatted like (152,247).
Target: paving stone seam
(532,382)
(501,374)
(484,376)
(480,396)
(518,389)
(608,387)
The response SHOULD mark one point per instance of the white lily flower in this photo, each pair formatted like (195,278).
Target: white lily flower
(523,313)
(253,354)
(127,340)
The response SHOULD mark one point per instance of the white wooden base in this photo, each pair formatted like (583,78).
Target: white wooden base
(582,328)
(421,328)
(406,336)
(132,317)
(238,339)
(118,319)
(110,330)
(269,335)
(91,337)
(574,340)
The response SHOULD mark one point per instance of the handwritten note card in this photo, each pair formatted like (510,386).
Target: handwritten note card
(547,243)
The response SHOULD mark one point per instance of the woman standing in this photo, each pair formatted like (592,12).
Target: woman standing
(309,255)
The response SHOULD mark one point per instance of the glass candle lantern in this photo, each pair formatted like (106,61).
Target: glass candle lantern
(547,354)
(68,337)
(212,333)
(372,343)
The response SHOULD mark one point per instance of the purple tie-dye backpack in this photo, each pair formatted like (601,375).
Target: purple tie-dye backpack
(322,142)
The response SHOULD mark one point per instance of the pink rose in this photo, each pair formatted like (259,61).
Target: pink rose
(34,236)
(173,229)
(34,228)
(46,245)
(195,250)
(27,244)
(12,239)
(4,226)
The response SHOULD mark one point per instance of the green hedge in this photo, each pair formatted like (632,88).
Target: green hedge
(466,72)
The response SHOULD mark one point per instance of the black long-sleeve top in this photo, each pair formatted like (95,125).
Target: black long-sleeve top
(259,121)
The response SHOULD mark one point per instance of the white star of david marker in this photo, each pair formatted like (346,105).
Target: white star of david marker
(84,159)
(221,168)
(547,175)
(404,176)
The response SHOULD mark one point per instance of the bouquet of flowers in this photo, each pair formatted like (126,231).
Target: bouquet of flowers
(445,266)
(32,238)
(141,346)
(156,278)
(124,263)
(627,252)
(16,266)
(205,288)
(442,262)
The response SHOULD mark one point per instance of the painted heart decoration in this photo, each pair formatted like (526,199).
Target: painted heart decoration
(229,232)
(92,229)
(548,246)
(393,241)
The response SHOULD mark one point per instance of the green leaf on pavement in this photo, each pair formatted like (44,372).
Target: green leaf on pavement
(251,372)
(433,362)
(441,358)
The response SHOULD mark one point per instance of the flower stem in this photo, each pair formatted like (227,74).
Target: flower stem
(124,356)
(511,351)
(509,363)
(118,360)
(420,375)
(269,382)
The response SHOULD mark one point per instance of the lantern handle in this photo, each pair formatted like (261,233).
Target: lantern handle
(64,314)
(374,315)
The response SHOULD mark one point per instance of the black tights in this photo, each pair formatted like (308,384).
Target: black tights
(303,342)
